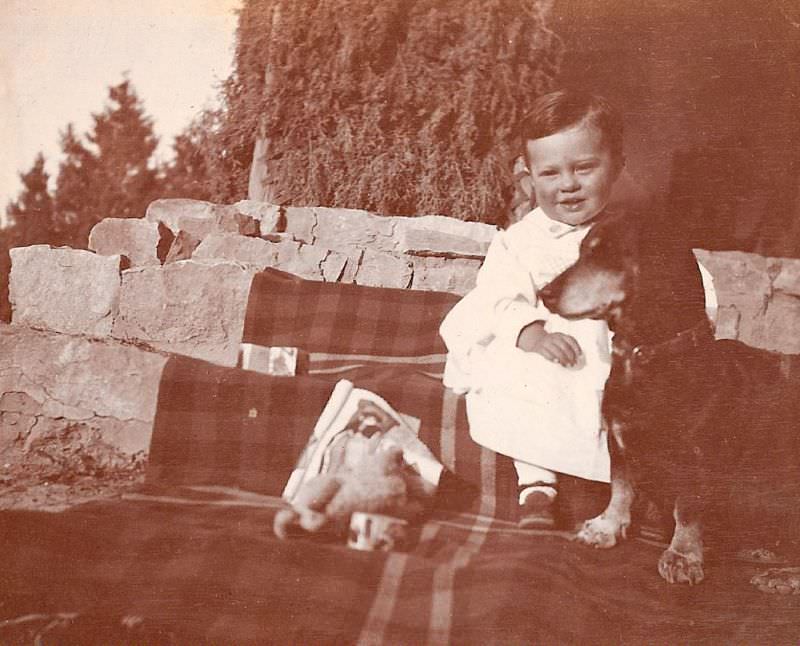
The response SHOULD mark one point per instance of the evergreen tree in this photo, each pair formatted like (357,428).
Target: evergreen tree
(32,212)
(110,175)
(395,106)
(187,175)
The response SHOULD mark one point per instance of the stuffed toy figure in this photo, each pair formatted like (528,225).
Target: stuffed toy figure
(377,481)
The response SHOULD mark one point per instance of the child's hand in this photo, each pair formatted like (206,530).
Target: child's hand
(553,346)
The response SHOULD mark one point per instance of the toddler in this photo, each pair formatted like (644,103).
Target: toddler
(533,380)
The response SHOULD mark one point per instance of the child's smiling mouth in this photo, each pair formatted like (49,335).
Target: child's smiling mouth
(572,204)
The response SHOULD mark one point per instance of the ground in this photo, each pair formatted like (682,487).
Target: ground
(55,477)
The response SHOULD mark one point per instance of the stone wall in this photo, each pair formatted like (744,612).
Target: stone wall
(758,299)
(90,332)
(178,279)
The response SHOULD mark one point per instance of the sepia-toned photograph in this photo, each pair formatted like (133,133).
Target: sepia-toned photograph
(400,322)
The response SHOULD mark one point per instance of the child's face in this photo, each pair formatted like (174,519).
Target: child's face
(573,172)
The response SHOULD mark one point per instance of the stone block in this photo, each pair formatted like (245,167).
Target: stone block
(171,211)
(454,275)
(300,223)
(379,269)
(307,262)
(727,323)
(199,218)
(333,267)
(48,378)
(267,215)
(787,279)
(437,235)
(187,307)
(751,324)
(65,290)
(351,266)
(182,247)
(341,229)
(141,241)
(738,274)
(255,252)
(781,327)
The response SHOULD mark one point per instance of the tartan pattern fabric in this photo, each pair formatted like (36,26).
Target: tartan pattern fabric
(344,319)
(238,428)
(194,570)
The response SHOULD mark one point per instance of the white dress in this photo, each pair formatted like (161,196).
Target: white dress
(519,403)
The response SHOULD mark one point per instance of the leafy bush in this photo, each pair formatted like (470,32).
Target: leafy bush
(400,107)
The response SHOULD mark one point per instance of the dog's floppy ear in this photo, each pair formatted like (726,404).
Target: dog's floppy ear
(623,228)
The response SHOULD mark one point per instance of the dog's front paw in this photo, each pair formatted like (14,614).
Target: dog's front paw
(780,580)
(601,531)
(675,567)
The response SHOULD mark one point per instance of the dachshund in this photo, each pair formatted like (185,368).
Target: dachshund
(708,428)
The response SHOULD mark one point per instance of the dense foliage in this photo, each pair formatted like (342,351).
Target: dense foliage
(399,107)
(109,172)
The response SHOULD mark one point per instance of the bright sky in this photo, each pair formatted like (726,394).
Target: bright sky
(58,58)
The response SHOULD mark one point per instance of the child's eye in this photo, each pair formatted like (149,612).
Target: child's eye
(586,168)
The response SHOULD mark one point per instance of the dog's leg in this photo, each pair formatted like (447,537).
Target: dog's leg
(604,530)
(682,561)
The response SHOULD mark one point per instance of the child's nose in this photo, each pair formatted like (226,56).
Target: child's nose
(568,182)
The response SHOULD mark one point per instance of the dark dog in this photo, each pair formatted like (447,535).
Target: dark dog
(708,428)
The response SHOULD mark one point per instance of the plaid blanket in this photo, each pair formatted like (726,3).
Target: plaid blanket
(192,558)
(202,567)
(238,428)
(344,326)
(245,429)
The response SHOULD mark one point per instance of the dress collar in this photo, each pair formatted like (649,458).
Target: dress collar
(553,228)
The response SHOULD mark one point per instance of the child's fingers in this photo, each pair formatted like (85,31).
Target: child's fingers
(573,344)
(552,350)
(563,349)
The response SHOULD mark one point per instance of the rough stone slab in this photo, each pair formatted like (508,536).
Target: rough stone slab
(437,235)
(751,324)
(737,274)
(781,328)
(171,210)
(199,218)
(379,269)
(182,247)
(340,229)
(787,279)
(333,267)
(255,252)
(300,223)
(351,267)
(141,241)
(187,307)
(65,290)
(456,275)
(307,262)
(51,379)
(727,323)
(267,215)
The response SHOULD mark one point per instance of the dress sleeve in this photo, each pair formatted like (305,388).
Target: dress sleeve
(503,301)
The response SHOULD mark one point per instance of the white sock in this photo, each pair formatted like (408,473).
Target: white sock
(545,489)
(528,474)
